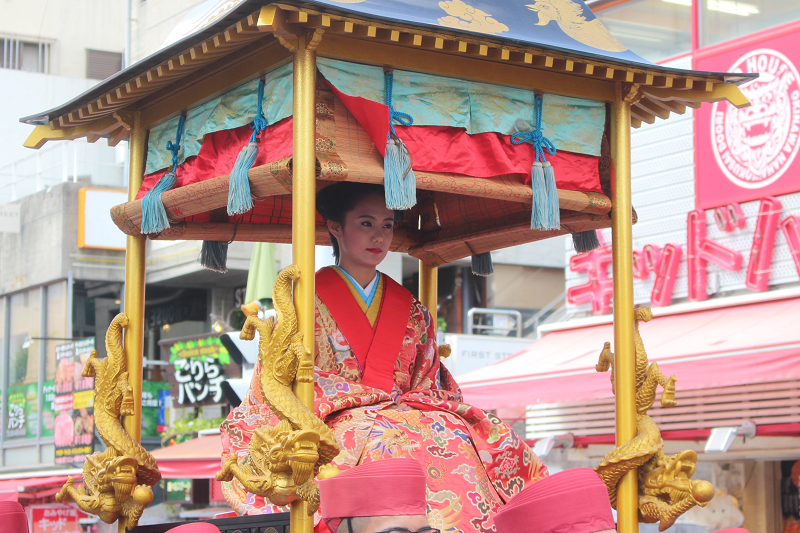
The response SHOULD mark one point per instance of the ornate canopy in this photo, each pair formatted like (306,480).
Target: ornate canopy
(555,47)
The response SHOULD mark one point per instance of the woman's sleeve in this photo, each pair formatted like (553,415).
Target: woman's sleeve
(429,373)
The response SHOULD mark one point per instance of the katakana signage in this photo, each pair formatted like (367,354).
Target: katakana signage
(55,518)
(664,263)
(197,369)
(22,411)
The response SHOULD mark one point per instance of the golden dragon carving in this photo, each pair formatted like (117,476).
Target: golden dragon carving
(666,488)
(117,481)
(283,460)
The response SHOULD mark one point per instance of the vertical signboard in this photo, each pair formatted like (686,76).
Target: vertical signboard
(22,411)
(153,406)
(751,153)
(73,427)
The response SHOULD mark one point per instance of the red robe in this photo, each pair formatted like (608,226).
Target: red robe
(380,387)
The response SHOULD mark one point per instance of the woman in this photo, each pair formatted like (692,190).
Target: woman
(380,386)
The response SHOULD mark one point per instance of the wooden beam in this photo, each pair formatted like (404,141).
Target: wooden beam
(217,78)
(641,115)
(466,67)
(41,134)
(720,91)
(648,106)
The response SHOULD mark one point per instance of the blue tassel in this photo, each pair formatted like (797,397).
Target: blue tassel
(154,215)
(239,199)
(540,214)
(398,177)
(553,211)
(545,211)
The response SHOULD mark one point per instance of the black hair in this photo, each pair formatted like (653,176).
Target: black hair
(335,201)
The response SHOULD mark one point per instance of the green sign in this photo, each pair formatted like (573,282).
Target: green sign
(48,409)
(179,490)
(22,411)
(200,349)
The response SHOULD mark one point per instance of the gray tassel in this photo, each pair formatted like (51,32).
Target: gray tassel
(214,256)
(482,264)
(585,241)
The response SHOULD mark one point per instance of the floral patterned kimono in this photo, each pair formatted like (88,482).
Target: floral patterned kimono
(382,390)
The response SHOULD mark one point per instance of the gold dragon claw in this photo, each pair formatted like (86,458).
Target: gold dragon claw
(668,396)
(63,494)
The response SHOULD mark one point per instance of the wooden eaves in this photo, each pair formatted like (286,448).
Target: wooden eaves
(243,46)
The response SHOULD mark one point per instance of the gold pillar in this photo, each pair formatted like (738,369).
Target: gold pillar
(134,289)
(429,288)
(622,250)
(303,230)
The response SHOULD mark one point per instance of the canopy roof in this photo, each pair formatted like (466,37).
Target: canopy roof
(198,458)
(572,54)
(730,346)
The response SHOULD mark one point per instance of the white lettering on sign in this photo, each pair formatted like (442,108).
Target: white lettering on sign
(9,218)
(198,379)
(755,145)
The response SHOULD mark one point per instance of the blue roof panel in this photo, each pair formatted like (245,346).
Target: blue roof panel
(566,24)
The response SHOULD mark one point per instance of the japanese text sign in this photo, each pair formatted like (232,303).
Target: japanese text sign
(55,519)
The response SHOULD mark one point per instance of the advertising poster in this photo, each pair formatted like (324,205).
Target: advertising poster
(49,408)
(55,518)
(153,407)
(22,411)
(790,496)
(73,405)
(749,153)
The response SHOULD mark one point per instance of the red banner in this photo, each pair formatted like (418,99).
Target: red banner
(746,154)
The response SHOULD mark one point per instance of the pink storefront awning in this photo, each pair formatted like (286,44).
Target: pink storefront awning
(752,343)
(196,459)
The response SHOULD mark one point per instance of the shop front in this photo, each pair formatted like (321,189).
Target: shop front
(716,255)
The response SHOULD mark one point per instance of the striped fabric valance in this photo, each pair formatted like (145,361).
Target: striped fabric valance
(572,124)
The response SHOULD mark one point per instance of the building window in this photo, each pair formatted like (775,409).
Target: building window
(100,65)
(654,29)
(30,55)
(722,20)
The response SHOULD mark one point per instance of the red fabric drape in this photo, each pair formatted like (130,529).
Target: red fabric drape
(433,149)
(483,155)
(220,150)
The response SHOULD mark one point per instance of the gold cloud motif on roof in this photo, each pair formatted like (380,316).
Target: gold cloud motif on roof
(569,17)
(465,17)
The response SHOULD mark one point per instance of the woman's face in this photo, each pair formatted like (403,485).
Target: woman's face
(366,233)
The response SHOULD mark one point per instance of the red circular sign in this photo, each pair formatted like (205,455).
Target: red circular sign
(755,145)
